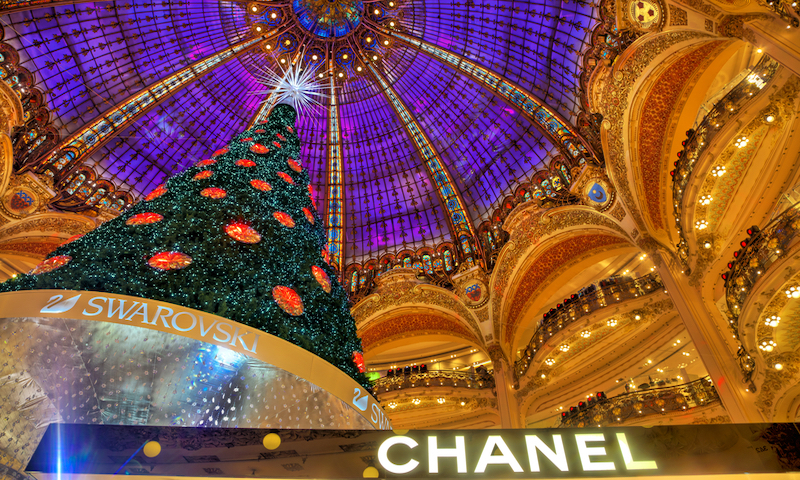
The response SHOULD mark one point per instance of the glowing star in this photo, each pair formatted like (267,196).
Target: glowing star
(242,233)
(221,151)
(286,177)
(51,264)
(160,190)
(322,278)
(284,218)
(245,163)
(205,163)
(261,185)
(170,261)
(258,148)
(294,85)
(144,218)
(203,175)
(213,192)
(309,215)
(295,166)
(288,300)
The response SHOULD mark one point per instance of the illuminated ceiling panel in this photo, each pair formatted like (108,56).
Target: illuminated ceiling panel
(88,57)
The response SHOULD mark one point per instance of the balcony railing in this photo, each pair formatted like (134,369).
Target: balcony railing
(701,136)
(435,378)
(582,306)
(656,401)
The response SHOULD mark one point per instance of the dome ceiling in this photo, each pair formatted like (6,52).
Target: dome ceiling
(395,90)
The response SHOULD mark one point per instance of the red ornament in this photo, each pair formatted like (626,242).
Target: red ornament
(160,190)
(245,163)
(170,261)
(288,300)
(242,233)
(325,255)
(284,218)
(286,177)
(203,175)
(261,185)
(309,215)
(205,163)
(358,359)
(260,130)
(221,151)
(280,137)
(246,139)
(310,190)
(277,144)
(213,192)
(322,278)
(51,264)
(144,218)
(294,165)
(258,148)
(72,239)
(290,129)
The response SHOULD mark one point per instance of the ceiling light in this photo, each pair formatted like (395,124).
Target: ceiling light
(637,317)
(767,345)
(778,366)
(611,322)
(707,244)
(374,57)
(391,24)
(701,224)
(742,142)
(341,74)
(793,292)
(550,362)
(274,15)
(321,75)
(586,334)
(255,9)
(564,347)
(770,118)
(718,171)
(283,60)
(269,47)
(314,57)
(386,42)
(772,320)
(344,56)
(358,69)
(258,29)
(368,39)
(705,199)
(377,11)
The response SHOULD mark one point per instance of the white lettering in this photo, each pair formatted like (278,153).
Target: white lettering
(558,457)
(383,457)
(220,330)
(374,416)
(142,310)
(121,310)
(204,331)
(505,457)
(98,307)
(587,452)
(158,316)
(255,343)
(630,464)
(175,322)
(459,452)
(237,336)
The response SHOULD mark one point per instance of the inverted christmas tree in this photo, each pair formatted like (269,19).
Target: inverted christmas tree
(235,235)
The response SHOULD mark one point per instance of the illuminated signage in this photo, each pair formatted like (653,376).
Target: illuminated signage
(511,452)
(187,322)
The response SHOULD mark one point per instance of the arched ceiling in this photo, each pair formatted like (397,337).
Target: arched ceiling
(89,57)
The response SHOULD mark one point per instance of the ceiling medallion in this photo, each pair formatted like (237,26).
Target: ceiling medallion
(328,18)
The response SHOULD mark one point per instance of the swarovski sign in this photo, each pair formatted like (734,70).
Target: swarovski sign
(175,319)
(512,452)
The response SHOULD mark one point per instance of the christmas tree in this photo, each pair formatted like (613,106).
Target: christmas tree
(236,235)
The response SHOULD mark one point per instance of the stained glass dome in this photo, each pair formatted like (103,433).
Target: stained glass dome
(435,110)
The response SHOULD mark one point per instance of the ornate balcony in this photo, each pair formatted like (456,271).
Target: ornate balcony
(656,401)
(435,378)
(583,306)
(700,137)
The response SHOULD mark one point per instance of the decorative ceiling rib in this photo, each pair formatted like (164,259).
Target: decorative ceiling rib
(79,146)
(560,131)
(460,222)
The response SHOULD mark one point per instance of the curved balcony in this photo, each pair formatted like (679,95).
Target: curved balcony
(759,251)
(435,378)
(655,401)
(700,137)
(583,306)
